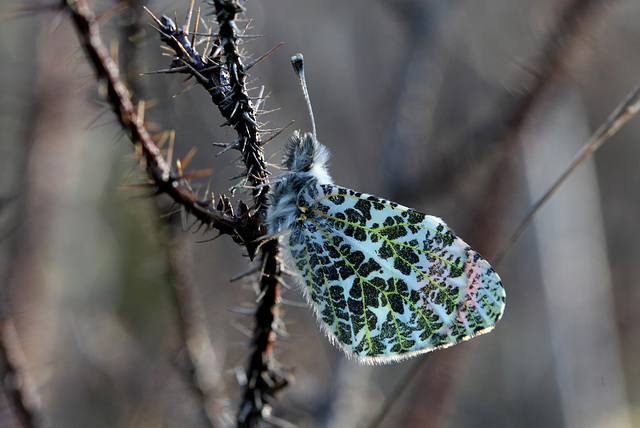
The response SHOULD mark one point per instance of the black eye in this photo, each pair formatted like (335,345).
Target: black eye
(306,163)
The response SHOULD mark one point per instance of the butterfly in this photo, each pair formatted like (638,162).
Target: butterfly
(386,282)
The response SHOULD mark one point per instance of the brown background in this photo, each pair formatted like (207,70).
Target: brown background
(419,102)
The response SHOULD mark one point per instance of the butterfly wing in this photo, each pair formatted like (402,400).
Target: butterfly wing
(388,282)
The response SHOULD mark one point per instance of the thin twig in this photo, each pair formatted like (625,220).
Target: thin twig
(621,115)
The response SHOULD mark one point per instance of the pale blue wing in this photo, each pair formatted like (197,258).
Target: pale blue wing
(388,282)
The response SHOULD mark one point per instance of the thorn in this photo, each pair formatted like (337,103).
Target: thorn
(153,193)
(251,36)
(265,112)
(254,62)
(91,123)
(206,38)
(246,28)
(241,175)
(138,152)
(282,282)
(226,148)
(184,51)
(153,16)
(140,111)
(245,273)
(157,29)
(184,216)
(242,329)
(206,191)
(167,48)
(196,221)
(188,157)
(233,113)
(137,186)
(274,135)
(172,141)
(196,174)
(200,226)
(260,99)
(194,71)
(293,303)
(187,21)
(260,296)
(161,138)
(208,229)
(188,88)
(217,52)
(166,71)
(241,310)
(195,28)
(113,52)
(114,10)
(249,119)
(171,212)
(209,240)
(213,67)
(208,33)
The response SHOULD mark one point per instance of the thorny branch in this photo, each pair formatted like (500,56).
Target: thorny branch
(223,74)
(131,118)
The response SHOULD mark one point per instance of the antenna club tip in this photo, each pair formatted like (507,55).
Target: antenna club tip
(297,61)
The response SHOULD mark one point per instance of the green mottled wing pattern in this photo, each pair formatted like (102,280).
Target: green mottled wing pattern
(388,282)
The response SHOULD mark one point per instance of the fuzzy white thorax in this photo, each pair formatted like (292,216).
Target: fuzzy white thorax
(306,163)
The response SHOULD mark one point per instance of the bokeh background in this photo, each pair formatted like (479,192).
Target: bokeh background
(462,109)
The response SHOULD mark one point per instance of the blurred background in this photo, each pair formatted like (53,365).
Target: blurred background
(461,109)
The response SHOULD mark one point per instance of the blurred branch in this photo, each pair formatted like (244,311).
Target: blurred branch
(201,359)
(18,386)
(422,71)
(133,30)
(491,140)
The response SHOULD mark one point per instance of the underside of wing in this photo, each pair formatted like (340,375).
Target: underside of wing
(388,282)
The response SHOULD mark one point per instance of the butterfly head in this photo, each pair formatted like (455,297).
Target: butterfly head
(305,155)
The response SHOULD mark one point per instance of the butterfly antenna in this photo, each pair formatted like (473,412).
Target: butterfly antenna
(298,66)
